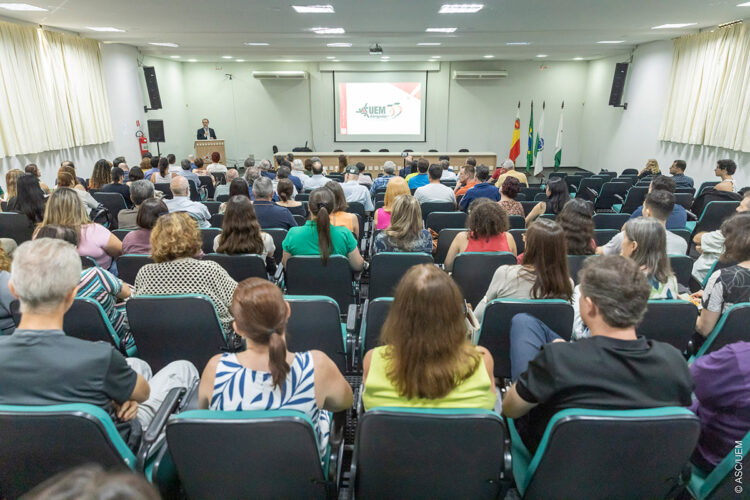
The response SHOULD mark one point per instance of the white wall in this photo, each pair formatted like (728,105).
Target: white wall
(616,139)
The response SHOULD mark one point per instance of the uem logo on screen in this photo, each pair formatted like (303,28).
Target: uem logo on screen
(389,111)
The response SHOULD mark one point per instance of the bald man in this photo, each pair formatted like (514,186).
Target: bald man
(181,202)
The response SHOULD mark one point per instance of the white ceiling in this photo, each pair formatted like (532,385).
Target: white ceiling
(209,29)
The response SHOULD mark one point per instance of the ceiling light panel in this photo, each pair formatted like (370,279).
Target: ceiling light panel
(461,8)
(314,9)
(441,30)
(22,7)
(328,31)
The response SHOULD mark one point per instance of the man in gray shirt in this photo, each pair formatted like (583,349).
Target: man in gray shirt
(181,202)
(434,191)
(140,191)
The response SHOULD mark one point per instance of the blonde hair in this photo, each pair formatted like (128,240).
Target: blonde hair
(64,208)
(406,221)
(10,181)
(395,188)
(175,236)
(4,261)
(653,166)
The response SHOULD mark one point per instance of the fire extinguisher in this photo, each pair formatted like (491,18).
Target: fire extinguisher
(142,139)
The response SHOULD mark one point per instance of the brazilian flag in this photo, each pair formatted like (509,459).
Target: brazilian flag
(530,145)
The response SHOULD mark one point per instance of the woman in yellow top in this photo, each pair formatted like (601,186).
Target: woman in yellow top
(340,217)
(427,360)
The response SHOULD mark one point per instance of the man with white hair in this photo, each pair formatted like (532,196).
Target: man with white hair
(40,365)
(269,214)
(389,170)
(298,173)
(511,172)
(354,191)
(181,202)
(448,174)
(192,162)
(221,189)
(265,169)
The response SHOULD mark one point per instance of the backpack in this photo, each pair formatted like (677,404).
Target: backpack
(101,215)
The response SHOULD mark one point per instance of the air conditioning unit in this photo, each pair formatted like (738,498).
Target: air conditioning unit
(479,75)
(280,75)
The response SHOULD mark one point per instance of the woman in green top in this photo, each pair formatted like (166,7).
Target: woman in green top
(319,237)
(427,360)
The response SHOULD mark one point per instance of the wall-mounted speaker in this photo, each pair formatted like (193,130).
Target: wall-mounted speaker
(153,87)
(156,130)
(618,86)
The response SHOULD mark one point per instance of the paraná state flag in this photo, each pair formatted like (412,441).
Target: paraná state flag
(515,141)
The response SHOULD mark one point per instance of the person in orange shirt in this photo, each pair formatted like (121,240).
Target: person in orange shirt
(466,180)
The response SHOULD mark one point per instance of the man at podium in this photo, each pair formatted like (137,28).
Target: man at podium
(206,133)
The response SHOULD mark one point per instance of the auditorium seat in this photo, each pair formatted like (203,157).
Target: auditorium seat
(610,221)
(594,183)
(16,227)
(430,453)
(299,219)
(682,233)
(278,236)
(540,197)
(216,220)
(575,264)
(602,236)
(670,321)
(87,262)
(610,194)
(573,181)
(207,237)
(516,221)
(302,197)
(528,206)
(315,323)
(87,320)
(222,198)
(684,199)
(429,207)
(731,328)
(306,275)
(704,186)
(114,202)
(206,182)
(473,272)
(518,237)
(374,314)
(164,188)
(630,171)
(212,206)
(240,267)
(721,482)
(601,442)
(387,268)
(682,267)
(128,266)
(713,215)
(607,174)
(531,191)
(437,221)
(557,175)
(121,233)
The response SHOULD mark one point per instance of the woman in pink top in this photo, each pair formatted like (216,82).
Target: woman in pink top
(396,186)
(64,208)
(488,232)
(139,241)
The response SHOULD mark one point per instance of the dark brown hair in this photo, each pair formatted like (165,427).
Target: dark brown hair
(215,157)
(101,174)
(259,313)
(135,174)
(240,230)
(65,179)
(575,220)
(285,189)
(238,187)
(546,251)
(339,198)
(149,212)
(343,161)
(321,205)
(736,231)
(511,187)
(486,219)
(163,166)
(427,350)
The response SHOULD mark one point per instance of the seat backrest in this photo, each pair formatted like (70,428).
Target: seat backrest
(495,331)
(387,269)
(706,185)
(670,321)
(609,193)
(38,442)
(721,483)
(264,454)
(194,194)
(714,214)
(602,236)
(222,198)
(129,265)
(212,206)
(630,171)
(573,180)
(473,272)
(114,202)
(373,320)
(240,267)
(540,196)
(87,320)
(121,233)
(634,199)
(207,238)
(417,440)
(585,440)
(684,199)
(531,191)
(216,220)
(682,267)
(575,263)
(528,206)
(593,182)
(164,188)
(430,207)
(610,221)
(315,323)
(445,238)
(278,236)
(516,221)
(16,227)
(300,220)
(172,327)
(306,275)
(731,328)
(518,237)
(356,207)
(438,221)
(207,182)
(682,233)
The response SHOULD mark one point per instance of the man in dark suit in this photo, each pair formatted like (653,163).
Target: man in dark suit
(206,133)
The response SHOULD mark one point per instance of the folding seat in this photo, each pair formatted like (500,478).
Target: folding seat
(594,182)
(278,236)
(602,236)
(195,195)
(531,191)
(630,179)
(302,197)
(387,269)
(716,266)
(721,482)
(473,272)
(540,197)
(610,221)
(682,233)
(315,323)
(528,206)
(732,327)
(240,267)
(164,188)
(670,321)
(212,206)
(299,219)
(374,314)
(495,331)
(114,202)
(430,453)
(516,221)
(216,220)
(557,175)
(87,262)
(379,195)
(430,207)
(222,198)
(16,227)
(86,320)
(445,238)
(611,193)
(207,182)
(306,275)
(713,215)
(121,233)
(609,445)
(221,177)
(518,237)
(168,328)
(438,221)
(609,175)
(682,267)
(207,238)
(630,171)
(704,186)
(128,266)
(573,181)
(575,264)
(684,199)
(633,200)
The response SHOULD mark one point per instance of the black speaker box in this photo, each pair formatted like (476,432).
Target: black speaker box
(152,86)
(618,84)
(156,130)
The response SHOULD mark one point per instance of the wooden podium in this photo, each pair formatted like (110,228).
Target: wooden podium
(203,149)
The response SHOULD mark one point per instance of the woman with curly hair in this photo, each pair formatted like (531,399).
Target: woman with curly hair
(651,168)
(488,231)
(175,240)
(102,174)
(508,192)
(578,225)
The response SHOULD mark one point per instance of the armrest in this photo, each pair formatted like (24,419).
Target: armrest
(351,342)
(691,215)
(155,428)
(620,198)
(279,274)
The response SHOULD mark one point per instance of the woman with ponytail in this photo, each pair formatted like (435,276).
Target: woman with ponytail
(319,237)
(266,376)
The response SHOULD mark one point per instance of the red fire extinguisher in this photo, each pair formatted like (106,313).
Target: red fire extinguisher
(142,139)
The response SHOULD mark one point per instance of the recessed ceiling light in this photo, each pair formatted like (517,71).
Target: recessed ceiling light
(672,26)
(21,6)
(518,43)
(435,57)
(460,8)
(541,55)
(164,44)
(335,60)
(328,31)
(386,57)
(578,58)
(314,9)
(441,30)
(611,41)
(488,56)
(256,44)
(428,44)
(744,4)
(192,60)
(226,57)
(174,57)
(339,44)
(105,28)
(330,57)
(239,60)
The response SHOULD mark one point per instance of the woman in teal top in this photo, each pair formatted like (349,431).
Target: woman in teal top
(319,237)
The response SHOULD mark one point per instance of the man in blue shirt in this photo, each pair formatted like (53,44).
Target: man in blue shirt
(354,191)
(270,215)
(389,170)
(421,179)
(678,218)
(678,174)
(483,189)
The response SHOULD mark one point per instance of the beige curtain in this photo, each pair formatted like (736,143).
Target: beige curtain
(709,98)
(52,93)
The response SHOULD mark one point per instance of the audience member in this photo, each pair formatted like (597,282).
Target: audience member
(215,167)
(11,183)
(64,208)
(447,174)
(651,169)
(645,243)
(710,245)
(354,191)
(364,178)
(265,169)
(504,167)
(343,162)
(46,273)
(319,237)
(557,197)
(240,231)
(29,199)
(7,323)
(238,187)
(175,240)
(91,482)
(70,167)
(317,180)
(140,190)
(135,174)
(512,172)
(396,187)
(117,186)
(419,178)
(181,202)
(33,169)
(488,232)
(223,189)
(308,167)
(266,376)
(509,190)
(410,167)
(576,220)
(340,217)
(138,242)
(163,176)
(678,216)
(724,170)
(270,215)
(285,191)
(102,174)
(482,189)
(172,159)
(298,173)
(426,359)
(677,170)
(543,274)
(186,172)
(282,173)
(406,233)
(147,167)
(435,192)
(65,179)
(200,169)
(612,370)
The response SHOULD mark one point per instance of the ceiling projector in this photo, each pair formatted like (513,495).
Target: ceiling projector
(376,50)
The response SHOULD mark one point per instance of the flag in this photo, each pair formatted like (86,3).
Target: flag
(539,145)
(515,141)
(530,145)
(558,139)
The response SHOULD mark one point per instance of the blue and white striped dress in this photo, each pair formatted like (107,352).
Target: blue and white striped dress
(237,388)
